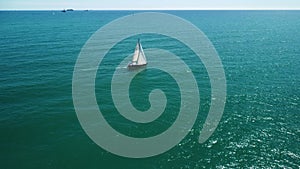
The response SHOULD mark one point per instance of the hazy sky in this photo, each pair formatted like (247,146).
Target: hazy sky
(150,4)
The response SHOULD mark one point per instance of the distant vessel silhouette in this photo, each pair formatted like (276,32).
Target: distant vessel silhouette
(68,10)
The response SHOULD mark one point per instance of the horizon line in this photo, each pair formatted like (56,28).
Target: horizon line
(149,9)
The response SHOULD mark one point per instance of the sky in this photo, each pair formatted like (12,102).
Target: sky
(147,4)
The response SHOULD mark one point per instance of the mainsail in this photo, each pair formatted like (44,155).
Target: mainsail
(138,58)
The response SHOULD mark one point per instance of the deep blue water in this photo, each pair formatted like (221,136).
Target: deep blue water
(260,127)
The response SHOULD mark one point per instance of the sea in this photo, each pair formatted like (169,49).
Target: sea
(260,126)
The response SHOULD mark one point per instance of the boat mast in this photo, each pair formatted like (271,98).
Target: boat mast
(139,50)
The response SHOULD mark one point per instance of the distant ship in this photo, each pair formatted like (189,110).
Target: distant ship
(67,10)
(138,58)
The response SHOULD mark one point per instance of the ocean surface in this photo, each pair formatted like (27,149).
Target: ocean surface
(260,127)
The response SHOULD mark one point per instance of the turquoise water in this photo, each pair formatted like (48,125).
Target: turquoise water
(260,126)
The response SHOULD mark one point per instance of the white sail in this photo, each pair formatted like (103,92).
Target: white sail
(141,59)
(138,57)
(136,53)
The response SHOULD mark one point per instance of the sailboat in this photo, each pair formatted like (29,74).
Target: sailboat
(138,58)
